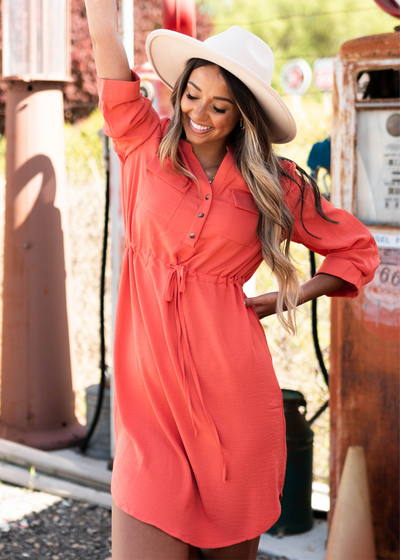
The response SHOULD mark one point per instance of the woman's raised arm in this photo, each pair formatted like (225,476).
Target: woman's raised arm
(109,53)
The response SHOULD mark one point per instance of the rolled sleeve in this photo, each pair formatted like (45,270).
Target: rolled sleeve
(348,246)
(129,117)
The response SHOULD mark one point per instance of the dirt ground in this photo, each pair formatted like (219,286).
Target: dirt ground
(39,526)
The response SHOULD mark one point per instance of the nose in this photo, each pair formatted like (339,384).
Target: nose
(199,112)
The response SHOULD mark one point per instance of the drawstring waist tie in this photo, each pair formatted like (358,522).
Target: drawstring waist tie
(173,291)
(174,288)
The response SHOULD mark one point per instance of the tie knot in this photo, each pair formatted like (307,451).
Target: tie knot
(176,280)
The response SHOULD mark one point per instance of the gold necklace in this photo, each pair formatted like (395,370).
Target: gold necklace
(212,179)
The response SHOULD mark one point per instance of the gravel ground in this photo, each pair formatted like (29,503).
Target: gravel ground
(39,526)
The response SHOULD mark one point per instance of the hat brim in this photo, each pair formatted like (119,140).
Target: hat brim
(169,52)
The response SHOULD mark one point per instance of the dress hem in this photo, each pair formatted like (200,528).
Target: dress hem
(191,542)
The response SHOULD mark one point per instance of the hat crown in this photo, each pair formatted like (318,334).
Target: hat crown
(245,49)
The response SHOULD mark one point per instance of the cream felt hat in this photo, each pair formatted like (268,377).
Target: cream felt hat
(240,52)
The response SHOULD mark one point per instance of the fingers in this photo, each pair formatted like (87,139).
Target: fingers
(263,305)
(250,302)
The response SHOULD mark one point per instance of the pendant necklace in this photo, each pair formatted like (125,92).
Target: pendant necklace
(212,179)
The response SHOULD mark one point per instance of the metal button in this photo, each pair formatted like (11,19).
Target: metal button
(192,235)
(207,196)
(201,215)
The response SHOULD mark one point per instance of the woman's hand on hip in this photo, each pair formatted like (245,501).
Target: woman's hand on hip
(263,305)
(320,285)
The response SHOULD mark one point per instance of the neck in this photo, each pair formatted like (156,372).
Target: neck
(210,156)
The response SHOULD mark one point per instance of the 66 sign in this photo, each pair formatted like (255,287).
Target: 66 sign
(389,276)
(380,300)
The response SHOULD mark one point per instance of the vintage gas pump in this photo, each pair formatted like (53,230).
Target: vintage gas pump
(364,379)
(37,397)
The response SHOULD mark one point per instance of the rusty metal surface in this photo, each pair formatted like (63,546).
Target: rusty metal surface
(344,126)
(365,356)
(37,397)
(385,45)
(364,386)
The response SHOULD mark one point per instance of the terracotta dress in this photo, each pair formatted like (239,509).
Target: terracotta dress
(200,434)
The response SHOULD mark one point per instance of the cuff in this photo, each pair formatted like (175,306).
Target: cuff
(346,270)
(119,91)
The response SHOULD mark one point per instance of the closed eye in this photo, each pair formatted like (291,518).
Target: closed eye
(219,110)
(189,96)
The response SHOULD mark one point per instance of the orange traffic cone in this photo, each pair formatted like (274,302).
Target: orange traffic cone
(351,535)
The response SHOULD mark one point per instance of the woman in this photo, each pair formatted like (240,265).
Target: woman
(200,438)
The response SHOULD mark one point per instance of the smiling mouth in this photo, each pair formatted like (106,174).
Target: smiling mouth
(198,127)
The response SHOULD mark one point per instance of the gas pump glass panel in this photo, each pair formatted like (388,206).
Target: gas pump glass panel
(16,49)
(378,84)
(378,147)
(57,38)
(35,44)
(378,167)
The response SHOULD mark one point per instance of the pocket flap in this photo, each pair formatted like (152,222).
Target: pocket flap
(170,175)
(245,201)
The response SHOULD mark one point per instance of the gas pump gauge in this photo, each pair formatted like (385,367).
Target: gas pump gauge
(378,148)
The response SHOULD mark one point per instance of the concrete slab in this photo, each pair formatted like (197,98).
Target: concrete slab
(73,454)
(305,546)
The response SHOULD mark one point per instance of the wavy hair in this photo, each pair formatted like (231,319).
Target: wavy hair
(261,169)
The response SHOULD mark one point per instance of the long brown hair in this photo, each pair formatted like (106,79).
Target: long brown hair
(261,169)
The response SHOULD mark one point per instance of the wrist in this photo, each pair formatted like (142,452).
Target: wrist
(322,284)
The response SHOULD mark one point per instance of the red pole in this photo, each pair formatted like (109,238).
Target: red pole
(180,15)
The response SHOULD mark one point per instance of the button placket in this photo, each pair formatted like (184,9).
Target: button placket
(199,220)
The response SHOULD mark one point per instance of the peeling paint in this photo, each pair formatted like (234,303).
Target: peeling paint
(364,380)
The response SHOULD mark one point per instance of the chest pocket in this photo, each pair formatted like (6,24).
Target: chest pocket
(163,191)
(241,226)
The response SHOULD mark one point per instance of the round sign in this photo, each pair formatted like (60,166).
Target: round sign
(296,76)
(323,74)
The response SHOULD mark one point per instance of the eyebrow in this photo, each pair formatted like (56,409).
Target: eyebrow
(220,98)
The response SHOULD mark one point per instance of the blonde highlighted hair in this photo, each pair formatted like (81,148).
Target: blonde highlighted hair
(262,172)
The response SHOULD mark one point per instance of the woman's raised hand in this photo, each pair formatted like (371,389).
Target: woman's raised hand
(109,53)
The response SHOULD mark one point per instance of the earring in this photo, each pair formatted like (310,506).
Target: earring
(241,124)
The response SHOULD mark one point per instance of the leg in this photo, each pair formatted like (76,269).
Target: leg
(246,550)
(134,540)
(194,553)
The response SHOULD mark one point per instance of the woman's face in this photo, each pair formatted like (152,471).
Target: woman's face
(209,113)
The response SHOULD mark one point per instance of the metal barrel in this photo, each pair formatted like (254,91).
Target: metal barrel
(296,515)
(99,447)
